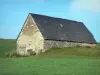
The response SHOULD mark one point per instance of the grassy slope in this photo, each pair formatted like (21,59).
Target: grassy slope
(53,62)
(6,46)
(81,51)
(70,65)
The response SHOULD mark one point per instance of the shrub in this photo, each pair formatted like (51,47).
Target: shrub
(15,54)
(87,47)
(78,46)
(11,54)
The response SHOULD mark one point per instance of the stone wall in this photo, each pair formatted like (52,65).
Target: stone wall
(60,44)
(30,38)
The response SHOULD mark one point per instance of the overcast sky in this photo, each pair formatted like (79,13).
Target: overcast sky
(14,12)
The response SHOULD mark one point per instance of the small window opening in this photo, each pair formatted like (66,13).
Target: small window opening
(61,25)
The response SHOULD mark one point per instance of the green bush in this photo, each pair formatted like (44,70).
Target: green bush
(15,54)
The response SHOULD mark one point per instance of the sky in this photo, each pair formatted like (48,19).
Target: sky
(14,12)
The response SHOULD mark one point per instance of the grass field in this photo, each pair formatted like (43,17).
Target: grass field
(66,61)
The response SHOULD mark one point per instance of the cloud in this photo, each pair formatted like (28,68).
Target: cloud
(85,5)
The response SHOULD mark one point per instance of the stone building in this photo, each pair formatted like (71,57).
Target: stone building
(40,33)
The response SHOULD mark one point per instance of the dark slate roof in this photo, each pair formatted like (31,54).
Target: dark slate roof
(63,29)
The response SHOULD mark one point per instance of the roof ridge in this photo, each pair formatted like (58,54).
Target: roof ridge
(54,17)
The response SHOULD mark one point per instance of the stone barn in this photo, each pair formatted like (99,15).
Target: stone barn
(40,33)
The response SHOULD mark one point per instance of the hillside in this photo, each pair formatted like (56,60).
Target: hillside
(56,61)
(7,45)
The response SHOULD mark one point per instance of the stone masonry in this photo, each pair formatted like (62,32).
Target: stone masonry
(60,44)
